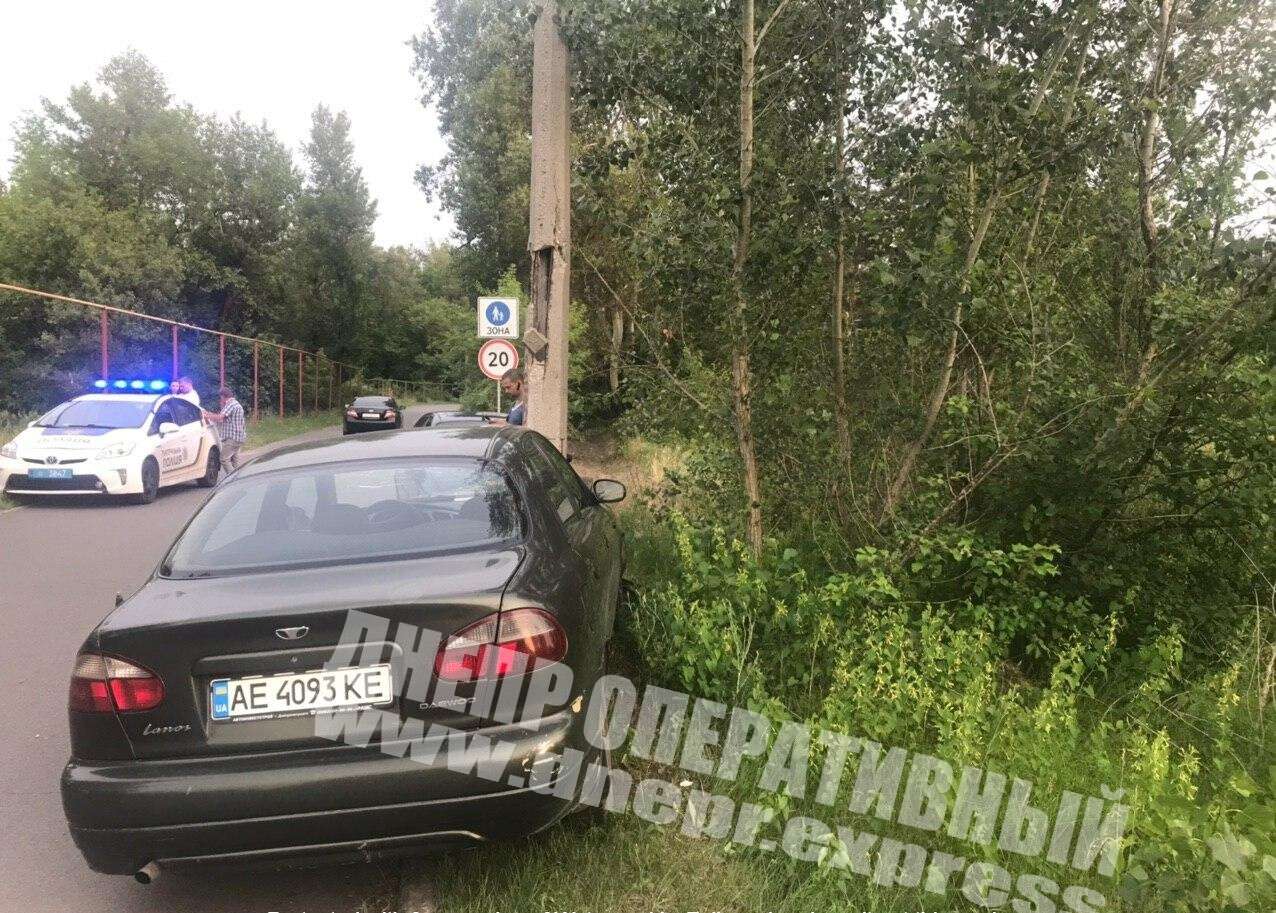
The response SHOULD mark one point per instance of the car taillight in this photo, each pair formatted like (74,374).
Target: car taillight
(101,684)
(510,643)
(390,415)
(350,413)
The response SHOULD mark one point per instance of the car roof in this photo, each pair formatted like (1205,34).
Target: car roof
(117,397)
(476,441)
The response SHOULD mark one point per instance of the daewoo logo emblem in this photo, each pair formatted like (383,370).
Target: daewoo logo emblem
(292,633)
(51,460)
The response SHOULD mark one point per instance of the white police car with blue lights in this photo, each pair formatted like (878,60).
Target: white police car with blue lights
(131,439)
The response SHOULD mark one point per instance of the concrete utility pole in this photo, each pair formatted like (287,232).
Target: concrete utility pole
(550,240)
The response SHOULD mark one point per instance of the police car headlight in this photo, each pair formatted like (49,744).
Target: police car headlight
(9,451)
(123,448)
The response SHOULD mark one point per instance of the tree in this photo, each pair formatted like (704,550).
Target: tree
(332,239)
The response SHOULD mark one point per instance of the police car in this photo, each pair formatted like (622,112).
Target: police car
(131,439)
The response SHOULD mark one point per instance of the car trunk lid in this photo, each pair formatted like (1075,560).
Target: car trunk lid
(193,633)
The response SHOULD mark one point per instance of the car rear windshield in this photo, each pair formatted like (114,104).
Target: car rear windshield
(371,402)
(98,413)
(341,513)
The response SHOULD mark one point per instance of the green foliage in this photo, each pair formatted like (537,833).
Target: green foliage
(124,196)
(925,652)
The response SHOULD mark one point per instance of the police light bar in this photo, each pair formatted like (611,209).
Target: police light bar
(135,386)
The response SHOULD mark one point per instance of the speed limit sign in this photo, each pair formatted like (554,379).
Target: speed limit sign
(496,356)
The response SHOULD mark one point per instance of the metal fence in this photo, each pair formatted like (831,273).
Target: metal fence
(282,377)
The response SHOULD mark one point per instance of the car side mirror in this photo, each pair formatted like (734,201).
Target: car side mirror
(609,491)
(167,428)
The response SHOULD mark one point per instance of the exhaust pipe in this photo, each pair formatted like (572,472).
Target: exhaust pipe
(147,873)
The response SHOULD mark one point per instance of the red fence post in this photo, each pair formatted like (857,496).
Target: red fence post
(301,382)
(173,376)
(281,381)
(104,333)
(256,385)
(221,360)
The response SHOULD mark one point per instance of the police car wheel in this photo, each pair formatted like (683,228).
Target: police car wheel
(150,482)
(212,469)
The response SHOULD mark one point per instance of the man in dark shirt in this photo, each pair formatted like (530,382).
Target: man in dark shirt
(514,386)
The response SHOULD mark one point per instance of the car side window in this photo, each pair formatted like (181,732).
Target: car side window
(184,413)
(562,488)
(567,474)
(163,414)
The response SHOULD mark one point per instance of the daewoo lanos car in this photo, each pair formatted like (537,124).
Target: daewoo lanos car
(372,413)
(484,534)
(130,443)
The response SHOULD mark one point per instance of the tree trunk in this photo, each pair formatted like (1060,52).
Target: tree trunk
(617,342)
(741,374)
(1152,123)
(839,291)
(903,476)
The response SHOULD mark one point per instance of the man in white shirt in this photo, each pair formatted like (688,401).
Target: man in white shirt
(186,390)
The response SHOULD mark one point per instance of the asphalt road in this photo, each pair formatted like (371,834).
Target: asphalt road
(61,564)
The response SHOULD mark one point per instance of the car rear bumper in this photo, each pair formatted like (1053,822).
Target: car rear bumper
(369,424)
(338,801)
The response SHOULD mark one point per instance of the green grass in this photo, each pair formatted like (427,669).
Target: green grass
(272,429)
(618,864)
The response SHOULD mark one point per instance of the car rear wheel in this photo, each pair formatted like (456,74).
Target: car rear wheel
(212,469)
(150,482)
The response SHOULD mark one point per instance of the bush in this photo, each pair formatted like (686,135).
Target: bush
(951,645)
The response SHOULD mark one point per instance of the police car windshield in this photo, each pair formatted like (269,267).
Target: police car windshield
(98,413)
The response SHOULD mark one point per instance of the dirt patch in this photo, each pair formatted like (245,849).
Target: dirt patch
(640,464)
(598,458)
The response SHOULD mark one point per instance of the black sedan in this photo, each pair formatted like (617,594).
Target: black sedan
(196,705)
(372,413)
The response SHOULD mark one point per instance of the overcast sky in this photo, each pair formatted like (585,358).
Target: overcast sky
(271,60)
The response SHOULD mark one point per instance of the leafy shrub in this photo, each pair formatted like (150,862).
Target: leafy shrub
(952,645)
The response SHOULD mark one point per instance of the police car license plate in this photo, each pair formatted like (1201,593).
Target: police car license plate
(50,473)
(274,695)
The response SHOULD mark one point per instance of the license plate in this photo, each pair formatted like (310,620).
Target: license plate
(371,415)
(50,473)
(276,695)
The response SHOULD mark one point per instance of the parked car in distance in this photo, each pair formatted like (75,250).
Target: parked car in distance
(372,413)
(192,705)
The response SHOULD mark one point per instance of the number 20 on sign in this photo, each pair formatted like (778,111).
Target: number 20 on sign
(496,356)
